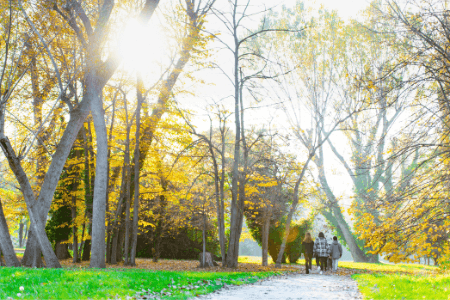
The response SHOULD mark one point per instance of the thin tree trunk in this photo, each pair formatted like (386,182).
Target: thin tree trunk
(159,225)
(75,186)
(74,230)
(233,243)
(121,242)
(27,227)
(222,198)
(108,214)
(118,219)
(128,183)
(140,99)
(80,250)
(265,239)
(88,187)
(21,226)
(204,241)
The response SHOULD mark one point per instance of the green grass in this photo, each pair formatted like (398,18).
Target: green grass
(390,268)
(109,283)
(403,286)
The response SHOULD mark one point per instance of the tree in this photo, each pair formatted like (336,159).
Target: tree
(308,93)
(96,73)
(410,223)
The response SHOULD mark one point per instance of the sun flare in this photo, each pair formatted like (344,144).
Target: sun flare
(140,46)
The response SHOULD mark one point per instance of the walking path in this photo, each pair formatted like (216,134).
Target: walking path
(292,287)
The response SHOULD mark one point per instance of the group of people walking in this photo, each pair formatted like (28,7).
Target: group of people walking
(322,251)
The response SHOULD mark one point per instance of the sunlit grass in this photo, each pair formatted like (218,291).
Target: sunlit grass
(403,286)
(253,259)
(389,268)
(110,283)
(371,267)
(258,260)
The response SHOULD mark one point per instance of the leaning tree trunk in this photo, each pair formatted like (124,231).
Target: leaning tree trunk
(357,254)
(6,243)
(291,212)
(37,222)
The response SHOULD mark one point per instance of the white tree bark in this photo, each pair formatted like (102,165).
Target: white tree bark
(100,183)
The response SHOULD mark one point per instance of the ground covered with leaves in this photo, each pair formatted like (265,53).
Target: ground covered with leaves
(245,265)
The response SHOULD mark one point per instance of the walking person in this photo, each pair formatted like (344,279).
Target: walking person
(336,252)
(321,249)
(308,249)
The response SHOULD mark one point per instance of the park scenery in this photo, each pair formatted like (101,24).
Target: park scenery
(225,149)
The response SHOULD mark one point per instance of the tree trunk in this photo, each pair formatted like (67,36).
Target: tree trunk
(37,222)
(233,243)
(265,240)
(139,87)
(80,250)
(357,254)
(74,230)
(2,264)
(32,256)
(204,242)
(206,260)
(62,250)
(6,244)
(114,245)
(100,184)
(120,244)
(127,193)
(25,237)
(222,199)
(21,226)
(108,213)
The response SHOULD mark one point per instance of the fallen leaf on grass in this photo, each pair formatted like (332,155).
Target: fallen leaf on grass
(183,265)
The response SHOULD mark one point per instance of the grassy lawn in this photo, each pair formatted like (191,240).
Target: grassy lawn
(403,286)
(400,281)
(109,283)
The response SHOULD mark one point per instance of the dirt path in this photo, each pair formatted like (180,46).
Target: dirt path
(294,287)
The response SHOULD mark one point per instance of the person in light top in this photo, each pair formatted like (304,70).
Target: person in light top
(322,250)
(335,252)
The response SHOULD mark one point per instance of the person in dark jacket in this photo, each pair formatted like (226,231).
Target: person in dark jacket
(335,253)
(308,249)
(322,249)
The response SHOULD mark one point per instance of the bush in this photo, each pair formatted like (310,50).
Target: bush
(294,247)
